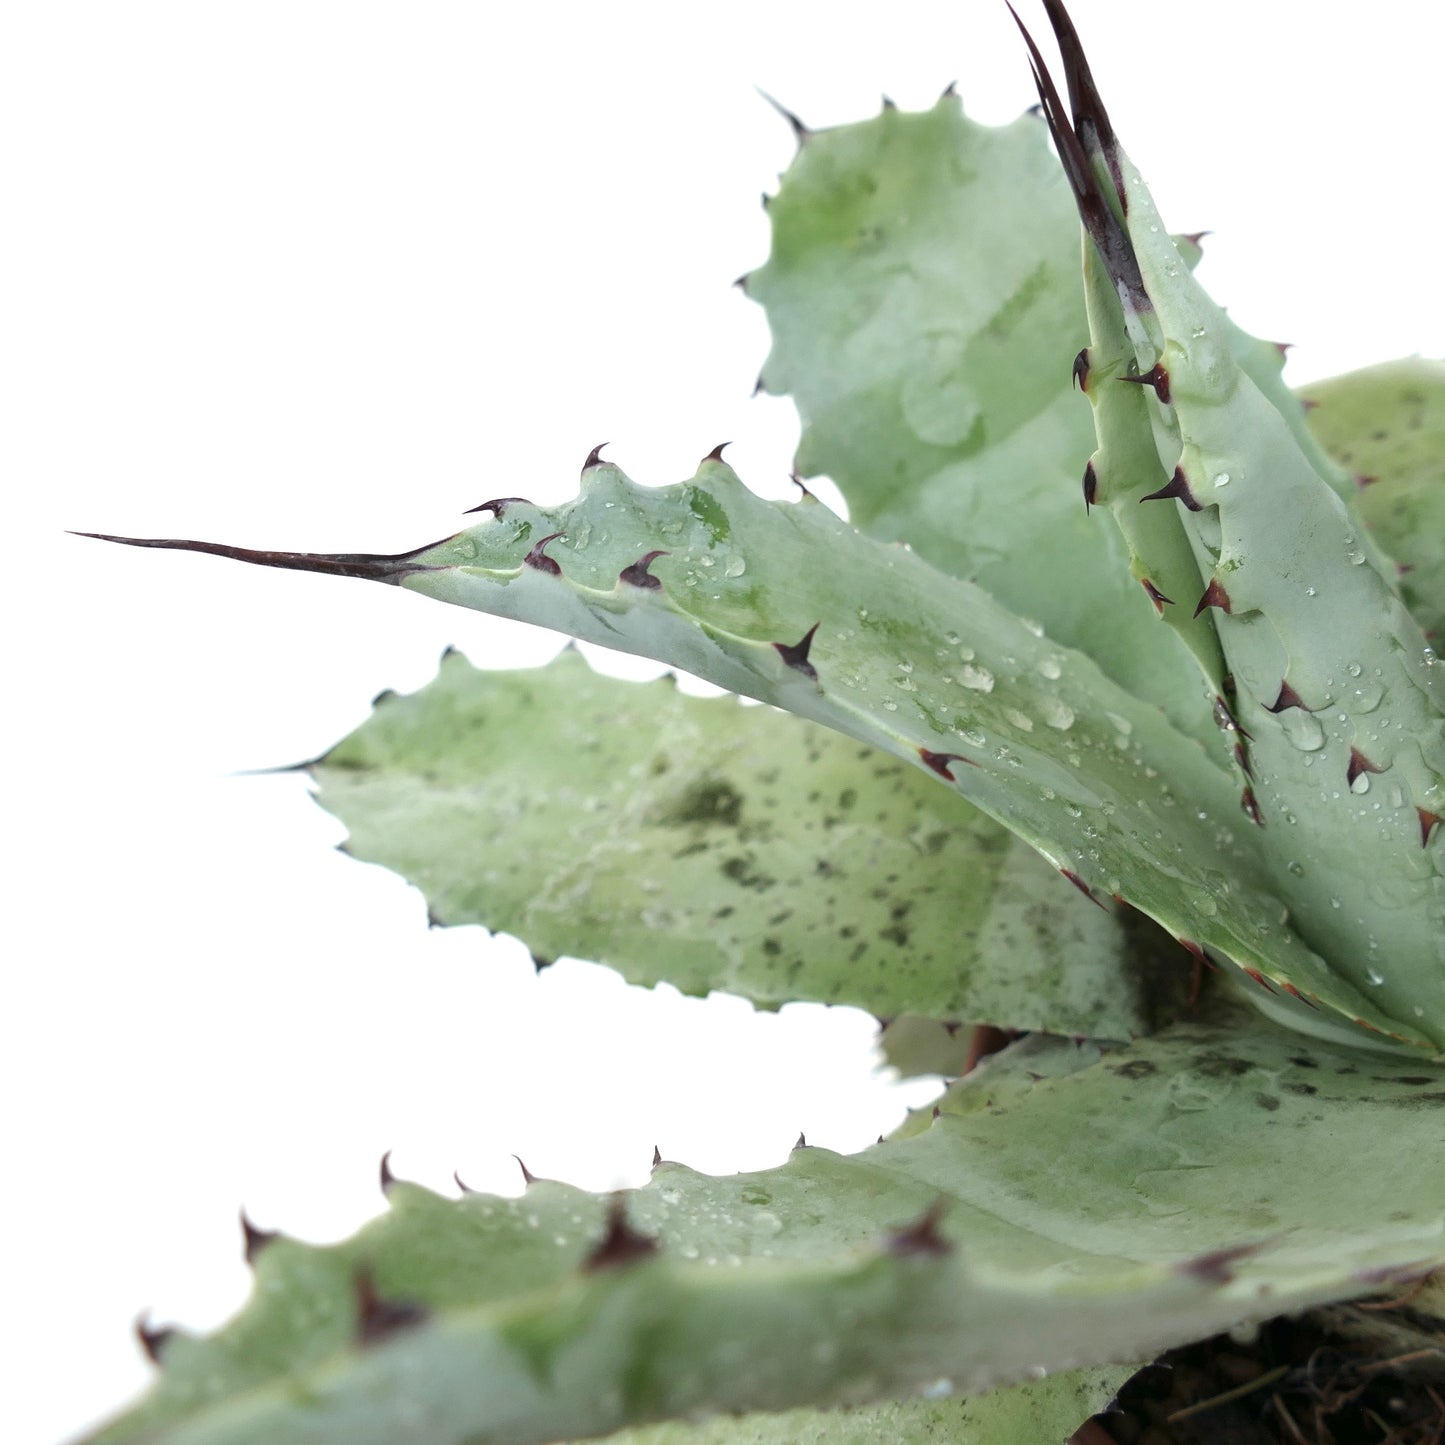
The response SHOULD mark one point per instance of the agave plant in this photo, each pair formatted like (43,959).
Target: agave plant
(1116,725)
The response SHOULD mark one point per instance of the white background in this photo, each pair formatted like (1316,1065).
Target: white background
(319,276)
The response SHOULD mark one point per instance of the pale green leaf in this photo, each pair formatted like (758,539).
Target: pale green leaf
(1066,1208)
(1386,424)
(712,845)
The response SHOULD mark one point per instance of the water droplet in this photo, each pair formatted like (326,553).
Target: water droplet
(967,653)
(1020,720)
(1049,667)
(1057,713)
(1361,784)
(905,666)
(1375,976)
(1311,592)
(978,678)
(1334,902)
(890,705)
(1222,480)
(1302,729)
(951,638)
(1296,868)
(734,567)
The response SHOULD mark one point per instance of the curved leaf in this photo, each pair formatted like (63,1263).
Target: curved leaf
(1334,695)
(711,845)
(786,603)
(953,1260)
(924,299)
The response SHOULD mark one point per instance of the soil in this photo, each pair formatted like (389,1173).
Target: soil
(1339,1377)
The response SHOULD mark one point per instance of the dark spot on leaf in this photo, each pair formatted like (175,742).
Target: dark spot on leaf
(1221,1066)
(1135,1069)
(708,802)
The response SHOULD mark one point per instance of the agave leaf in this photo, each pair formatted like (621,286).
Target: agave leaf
(1041,1411)
(786,603)
(717,846)
(949,1260)
(1386,426)
(1334,683)
(924,301)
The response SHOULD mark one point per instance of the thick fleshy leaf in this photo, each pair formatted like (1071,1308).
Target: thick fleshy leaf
(924,299)
(1336,700)
(988,1247)
(713,845)
(1042,1412)
(785,602)
(1386,424)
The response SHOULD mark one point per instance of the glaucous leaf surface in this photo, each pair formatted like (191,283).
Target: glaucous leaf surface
(924,299)
(953,1260)
(1386,424)
(713,845)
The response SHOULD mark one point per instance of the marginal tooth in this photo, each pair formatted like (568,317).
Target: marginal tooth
(637,574)
(539,559)
(795,654)
(1288,697)
(377,1319)
(1157,377)
(939,762)
(1250,804)
(922,1237)
(497,506)
(1156,596)
(1177,487)
(1214,596)
(1359,764)
(621,1245)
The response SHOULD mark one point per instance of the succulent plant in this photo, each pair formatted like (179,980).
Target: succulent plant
(1051,754)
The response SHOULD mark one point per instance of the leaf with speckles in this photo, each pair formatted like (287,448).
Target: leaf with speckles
(1040,1412)
(951,1259)
(1386,426)
(712,845)
(784,602)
